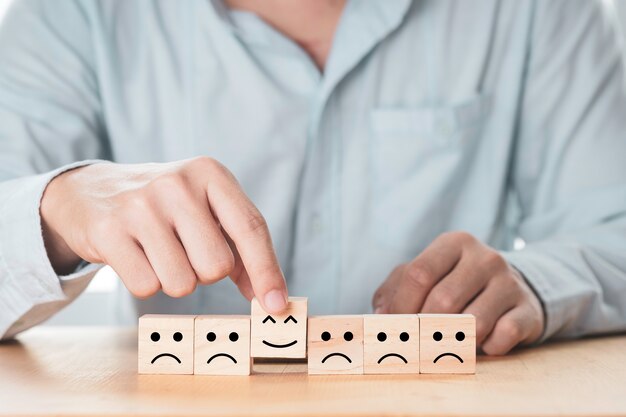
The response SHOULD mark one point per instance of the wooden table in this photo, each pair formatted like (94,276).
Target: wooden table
(93,371)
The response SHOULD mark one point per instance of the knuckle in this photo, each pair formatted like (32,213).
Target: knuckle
(444,300)
(210,165)
(217,270)
(492,261)
(254,224)
(138,209)
(465,238)
(202,162)
(462,237)
(510,329)
(105,227)
(137,202)
(171,182)
(418,276)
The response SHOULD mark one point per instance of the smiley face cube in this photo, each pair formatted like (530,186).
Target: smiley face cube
(222,345)
(279,335)
(335,345)
(165,344)
(391,344)
(447,343)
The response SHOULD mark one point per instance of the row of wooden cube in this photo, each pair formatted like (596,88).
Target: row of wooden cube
(349,344)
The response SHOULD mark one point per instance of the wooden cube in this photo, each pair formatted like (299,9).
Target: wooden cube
(391,344)
(222,345)
(165,344)
(447,344)
(279,335)
(335,345)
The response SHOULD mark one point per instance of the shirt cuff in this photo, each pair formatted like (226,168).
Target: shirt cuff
(537,270)
(27,278)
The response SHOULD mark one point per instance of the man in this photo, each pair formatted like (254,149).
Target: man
(413,140)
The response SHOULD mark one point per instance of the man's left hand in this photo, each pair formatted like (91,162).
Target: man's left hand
(459,274)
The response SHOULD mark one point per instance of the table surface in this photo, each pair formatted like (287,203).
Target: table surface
(93,371)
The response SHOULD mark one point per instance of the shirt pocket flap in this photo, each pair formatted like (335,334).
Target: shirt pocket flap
(440,123)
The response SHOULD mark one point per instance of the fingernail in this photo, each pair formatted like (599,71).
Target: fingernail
(275,301)
(379,310)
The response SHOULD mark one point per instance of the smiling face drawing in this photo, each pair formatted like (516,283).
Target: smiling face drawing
(270,319)
(279,335)
(391,344)
(335,345)
(222,345)
(448,343)
(165,344)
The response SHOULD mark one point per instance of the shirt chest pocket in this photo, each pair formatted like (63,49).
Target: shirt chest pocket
(419,156)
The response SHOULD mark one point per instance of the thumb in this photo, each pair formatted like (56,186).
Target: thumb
(384,294)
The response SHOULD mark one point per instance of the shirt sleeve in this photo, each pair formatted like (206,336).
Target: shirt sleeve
(50,121)
(569,170)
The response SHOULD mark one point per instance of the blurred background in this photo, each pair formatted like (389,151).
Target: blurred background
(96,305)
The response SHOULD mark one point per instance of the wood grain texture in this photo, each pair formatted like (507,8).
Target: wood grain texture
(165,344)
(222,345)
(391,344)
(93,372)
(335,345)
(279,335)
(447,344)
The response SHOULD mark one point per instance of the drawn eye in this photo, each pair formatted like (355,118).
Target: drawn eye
(382,336)
(404,336)
(437,336)
(233,337)
(270,318)
(178,336)
(155,336)
(325,336)
(292,318)
(460,336)
(210,336)
(347,336)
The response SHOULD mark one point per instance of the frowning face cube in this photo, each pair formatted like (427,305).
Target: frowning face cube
(165,344)
(279,335)
(335,345)
(391,344)
(447,343)
(222,345)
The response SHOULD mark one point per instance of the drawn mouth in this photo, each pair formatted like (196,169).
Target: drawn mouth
(163,355)
(279,346)
(448,354)
(389,355)
(225,355)
(336,354)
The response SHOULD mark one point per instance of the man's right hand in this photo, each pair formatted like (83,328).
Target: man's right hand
(162,226)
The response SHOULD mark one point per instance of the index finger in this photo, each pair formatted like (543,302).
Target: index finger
(422,273)
(248,230)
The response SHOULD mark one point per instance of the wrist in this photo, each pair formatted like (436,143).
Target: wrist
(62,258)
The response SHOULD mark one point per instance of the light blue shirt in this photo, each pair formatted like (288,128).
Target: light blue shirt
(501,118)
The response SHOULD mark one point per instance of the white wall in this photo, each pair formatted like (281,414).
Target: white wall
(4,4)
